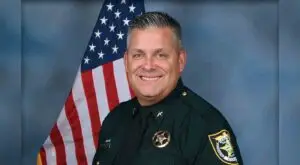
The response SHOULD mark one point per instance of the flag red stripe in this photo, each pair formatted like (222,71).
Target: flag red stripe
(110,85)
(59,146)
(73,118)
(89,90)
(43,156)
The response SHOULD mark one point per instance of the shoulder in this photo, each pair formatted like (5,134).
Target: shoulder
(204,118)
(209,127)
(203,111)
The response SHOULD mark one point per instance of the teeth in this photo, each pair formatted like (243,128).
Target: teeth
(150,78)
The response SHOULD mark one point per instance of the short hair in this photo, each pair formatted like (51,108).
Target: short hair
(156,19)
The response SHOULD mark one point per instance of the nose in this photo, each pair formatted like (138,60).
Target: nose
(149,63)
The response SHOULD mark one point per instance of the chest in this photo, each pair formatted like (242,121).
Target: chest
(161,144)
(163,140)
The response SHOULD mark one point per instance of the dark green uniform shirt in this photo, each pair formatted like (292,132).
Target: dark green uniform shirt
(182,129)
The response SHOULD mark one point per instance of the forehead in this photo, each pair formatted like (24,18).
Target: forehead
(151,36)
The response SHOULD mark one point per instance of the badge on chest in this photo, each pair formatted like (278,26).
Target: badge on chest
(161,139)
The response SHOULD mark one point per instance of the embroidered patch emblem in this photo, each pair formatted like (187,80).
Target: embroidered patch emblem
(222,146)
(161,139)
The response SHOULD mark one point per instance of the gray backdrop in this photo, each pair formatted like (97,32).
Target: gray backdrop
(243,57)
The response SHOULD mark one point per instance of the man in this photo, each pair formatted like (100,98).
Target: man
(166,123)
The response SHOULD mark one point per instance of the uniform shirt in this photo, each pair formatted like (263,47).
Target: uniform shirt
(182,129)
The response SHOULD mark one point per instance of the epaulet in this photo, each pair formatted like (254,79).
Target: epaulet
(199,106)
(195,102)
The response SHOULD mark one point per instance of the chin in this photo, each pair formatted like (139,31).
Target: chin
(149,93)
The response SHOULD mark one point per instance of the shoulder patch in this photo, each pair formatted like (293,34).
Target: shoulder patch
(222,147)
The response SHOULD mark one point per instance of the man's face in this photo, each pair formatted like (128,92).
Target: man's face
(153,63)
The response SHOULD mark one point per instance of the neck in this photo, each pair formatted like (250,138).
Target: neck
(148,101)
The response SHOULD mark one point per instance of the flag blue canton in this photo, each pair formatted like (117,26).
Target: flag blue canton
(108,41)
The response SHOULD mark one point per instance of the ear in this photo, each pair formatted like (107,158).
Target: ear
(182,59)
(126,61)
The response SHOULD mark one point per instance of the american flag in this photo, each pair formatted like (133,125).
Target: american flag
(100,85)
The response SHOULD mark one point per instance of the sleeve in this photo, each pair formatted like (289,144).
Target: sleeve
(100,146)
(220,145)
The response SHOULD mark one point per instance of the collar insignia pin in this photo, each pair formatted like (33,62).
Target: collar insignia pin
(159,114)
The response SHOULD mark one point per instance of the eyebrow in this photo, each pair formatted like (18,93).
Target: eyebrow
(137,50)
(158,50)
(141,51)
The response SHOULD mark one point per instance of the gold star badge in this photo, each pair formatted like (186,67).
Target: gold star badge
(161,139)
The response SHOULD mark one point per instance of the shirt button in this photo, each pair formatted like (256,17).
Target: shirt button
(184,93)
(98,163)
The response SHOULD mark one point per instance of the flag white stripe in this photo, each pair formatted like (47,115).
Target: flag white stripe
(100,90)
(65,130)
(121,80)
(50,152)
(90,149)
(83,114)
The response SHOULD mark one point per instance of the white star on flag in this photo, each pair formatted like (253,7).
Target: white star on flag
(103,20)
(101,54)
(120,35)
(106,41)
(126,21)
(109,7)
(117,13)
(131,8)
(123,2)
(86,60)
(112,28)
(92,47)
(115,49)
(97,34)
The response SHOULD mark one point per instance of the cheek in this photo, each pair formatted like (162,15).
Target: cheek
(131,66)
(171,67)
(177,67)
(134,69)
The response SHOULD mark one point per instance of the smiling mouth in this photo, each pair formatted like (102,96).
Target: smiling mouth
(150,78)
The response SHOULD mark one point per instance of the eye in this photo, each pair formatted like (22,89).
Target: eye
(162,56)
(137,55)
